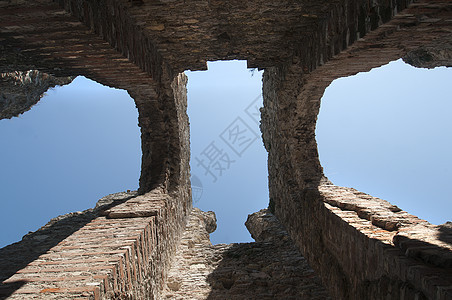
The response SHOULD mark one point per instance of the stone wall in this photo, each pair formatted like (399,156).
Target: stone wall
(165,136)
(71,38)
(142,46)
(123,252)
(270,268)
(384,251)
(19,91)
(173,36)
(352,263)
(119,250)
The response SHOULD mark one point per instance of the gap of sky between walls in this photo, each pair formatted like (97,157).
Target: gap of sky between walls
(387,133)
(79,143)
(228,159)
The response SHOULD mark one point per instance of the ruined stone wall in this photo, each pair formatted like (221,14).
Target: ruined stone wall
(105,45)
(124,249)
(165,136)
(270,268)
(19,91)
(342,243)
(110,20)
(120,249)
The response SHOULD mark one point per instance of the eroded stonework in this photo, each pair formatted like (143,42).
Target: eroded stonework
(19,91)
(142,46)
(270,268)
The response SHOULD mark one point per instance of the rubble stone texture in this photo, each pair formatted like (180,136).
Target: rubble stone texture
(270,268)
(96,254)
(19,91)
(359,246)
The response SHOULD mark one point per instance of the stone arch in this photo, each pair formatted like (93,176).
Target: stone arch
(141,46)
(291,104)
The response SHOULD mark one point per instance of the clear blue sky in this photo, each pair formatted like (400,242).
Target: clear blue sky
(222,103)
(82,142)
(78,144)
(388,133)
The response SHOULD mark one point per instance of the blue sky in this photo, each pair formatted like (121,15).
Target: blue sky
(222,106)
(78,144)
(387,133)
(379,132)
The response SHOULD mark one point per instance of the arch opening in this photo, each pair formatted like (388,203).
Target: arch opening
(228,160)
(79,143)
(386,133)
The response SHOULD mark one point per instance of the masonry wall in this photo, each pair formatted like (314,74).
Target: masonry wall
(353,240)
(19,91)
(362,247)
(123,247)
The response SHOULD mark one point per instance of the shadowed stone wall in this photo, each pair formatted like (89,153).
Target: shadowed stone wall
(355,244)
(121,249)
(270,268)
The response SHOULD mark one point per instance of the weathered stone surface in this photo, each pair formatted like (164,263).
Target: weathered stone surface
(41,35)
(85,254)
(270,268)
(436,54)
(19,91)
(265,227)
(333,245)
(362,247)
(146,205)
(108,201)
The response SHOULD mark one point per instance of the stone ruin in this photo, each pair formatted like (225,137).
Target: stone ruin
(315,241)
